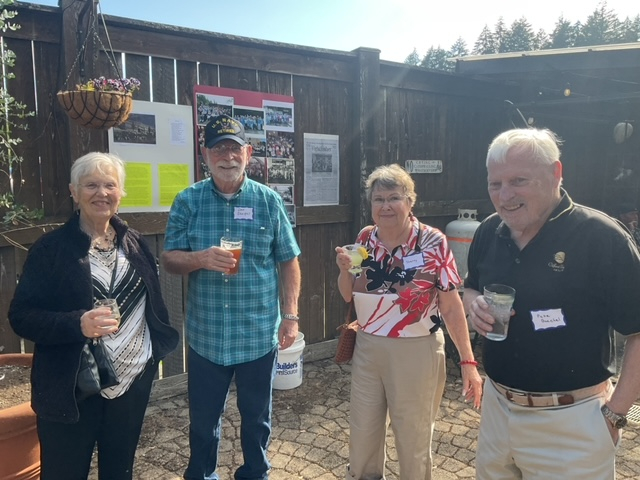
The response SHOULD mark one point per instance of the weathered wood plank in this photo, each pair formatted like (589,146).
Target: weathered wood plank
(208,75)
(186,79)
(137,66)
(213,48)
(51,132)
(163,80)
(240,78)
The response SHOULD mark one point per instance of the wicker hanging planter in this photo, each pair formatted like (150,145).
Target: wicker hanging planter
(96,109)
(100,103)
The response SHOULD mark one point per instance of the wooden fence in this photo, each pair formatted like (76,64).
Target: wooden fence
(384,112)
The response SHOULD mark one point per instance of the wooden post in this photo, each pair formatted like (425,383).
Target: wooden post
(79,19)
(369,111)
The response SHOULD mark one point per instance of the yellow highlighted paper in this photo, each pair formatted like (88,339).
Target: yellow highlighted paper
(138,185)
(173,179)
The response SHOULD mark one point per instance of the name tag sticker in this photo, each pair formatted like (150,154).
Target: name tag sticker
(413,261)
(545,319)
(243,213)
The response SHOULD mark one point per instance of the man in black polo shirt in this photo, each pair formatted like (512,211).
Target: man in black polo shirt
(549,410)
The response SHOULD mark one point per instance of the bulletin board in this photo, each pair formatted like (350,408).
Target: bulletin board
(268,121)
(157,144)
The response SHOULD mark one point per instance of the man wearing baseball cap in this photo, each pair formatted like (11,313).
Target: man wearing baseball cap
(234,323)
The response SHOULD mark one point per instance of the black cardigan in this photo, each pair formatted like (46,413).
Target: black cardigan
(54,290)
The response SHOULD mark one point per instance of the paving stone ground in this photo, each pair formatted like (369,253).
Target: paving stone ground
(310,432)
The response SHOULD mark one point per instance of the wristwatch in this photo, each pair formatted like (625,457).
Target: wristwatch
(618,421)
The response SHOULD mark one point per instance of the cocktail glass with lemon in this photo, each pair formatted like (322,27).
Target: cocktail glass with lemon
(357,253)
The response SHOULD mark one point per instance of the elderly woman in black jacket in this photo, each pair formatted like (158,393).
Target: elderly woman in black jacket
(94,255)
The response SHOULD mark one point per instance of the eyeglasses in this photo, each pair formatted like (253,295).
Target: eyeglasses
(93,187)
(221,149)
(393,200)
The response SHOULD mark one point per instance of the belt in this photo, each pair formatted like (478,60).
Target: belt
(550,399)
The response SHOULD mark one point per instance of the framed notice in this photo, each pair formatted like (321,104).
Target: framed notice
(321,169)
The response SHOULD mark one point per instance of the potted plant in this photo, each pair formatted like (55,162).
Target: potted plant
(100,103)
(19,445)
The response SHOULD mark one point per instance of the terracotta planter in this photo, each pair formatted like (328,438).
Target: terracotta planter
(19,446)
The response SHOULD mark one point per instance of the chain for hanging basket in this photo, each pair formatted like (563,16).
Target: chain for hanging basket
(100,103)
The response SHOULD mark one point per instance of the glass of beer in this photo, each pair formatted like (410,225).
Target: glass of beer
(234,245)
(112,305)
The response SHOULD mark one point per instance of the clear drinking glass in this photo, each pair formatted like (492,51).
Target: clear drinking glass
(500,298)
(234,245)
(112,305)
(357,253)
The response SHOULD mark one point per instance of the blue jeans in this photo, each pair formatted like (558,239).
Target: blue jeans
(208,385)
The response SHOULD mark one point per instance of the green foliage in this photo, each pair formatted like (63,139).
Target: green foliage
(520,37)
(486,43)
(413,58)
(16,213)
(12,116)
(437,59)
(602,27)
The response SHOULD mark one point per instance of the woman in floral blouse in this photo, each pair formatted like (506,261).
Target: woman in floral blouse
(407,287)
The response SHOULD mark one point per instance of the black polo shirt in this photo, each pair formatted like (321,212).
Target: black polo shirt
(580,275)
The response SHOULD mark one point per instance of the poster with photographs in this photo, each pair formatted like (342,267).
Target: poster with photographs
(268,121)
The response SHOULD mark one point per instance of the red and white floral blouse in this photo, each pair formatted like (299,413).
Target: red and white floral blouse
(395,295)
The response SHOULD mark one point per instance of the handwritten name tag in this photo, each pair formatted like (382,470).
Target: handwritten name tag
(243,213)
(545,319)
(413,261)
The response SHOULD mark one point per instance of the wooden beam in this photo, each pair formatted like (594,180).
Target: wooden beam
(79,19)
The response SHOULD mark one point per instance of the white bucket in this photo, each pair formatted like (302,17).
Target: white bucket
(289,366)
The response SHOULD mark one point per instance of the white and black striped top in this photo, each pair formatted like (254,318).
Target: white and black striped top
(130,346)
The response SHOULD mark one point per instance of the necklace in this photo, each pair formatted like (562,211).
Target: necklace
(104,242)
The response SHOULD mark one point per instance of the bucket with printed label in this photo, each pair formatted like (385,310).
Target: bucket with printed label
(289,365)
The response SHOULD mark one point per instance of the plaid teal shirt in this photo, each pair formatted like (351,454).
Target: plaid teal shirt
(233,319)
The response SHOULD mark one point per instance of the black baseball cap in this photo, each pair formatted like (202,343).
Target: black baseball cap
(223,127)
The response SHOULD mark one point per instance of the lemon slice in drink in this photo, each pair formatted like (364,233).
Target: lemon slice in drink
(363,253)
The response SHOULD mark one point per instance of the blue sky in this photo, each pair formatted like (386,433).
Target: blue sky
(392,26)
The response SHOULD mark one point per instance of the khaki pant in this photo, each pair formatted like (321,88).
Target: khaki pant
(543,443)
(400,380)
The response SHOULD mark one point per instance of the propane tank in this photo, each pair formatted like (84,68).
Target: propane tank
(459,235)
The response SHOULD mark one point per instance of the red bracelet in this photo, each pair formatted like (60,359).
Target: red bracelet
(468,362)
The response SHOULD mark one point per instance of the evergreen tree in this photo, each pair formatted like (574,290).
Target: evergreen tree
(520,36)
(499,34)
(459,48)
(413,58)
(601,28)
(486,43)
(541,40)
(630,30)
(563,35)
(436,59)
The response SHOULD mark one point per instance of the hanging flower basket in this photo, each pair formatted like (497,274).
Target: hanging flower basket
(100,103)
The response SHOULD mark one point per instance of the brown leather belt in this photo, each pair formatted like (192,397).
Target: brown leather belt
(550,399)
